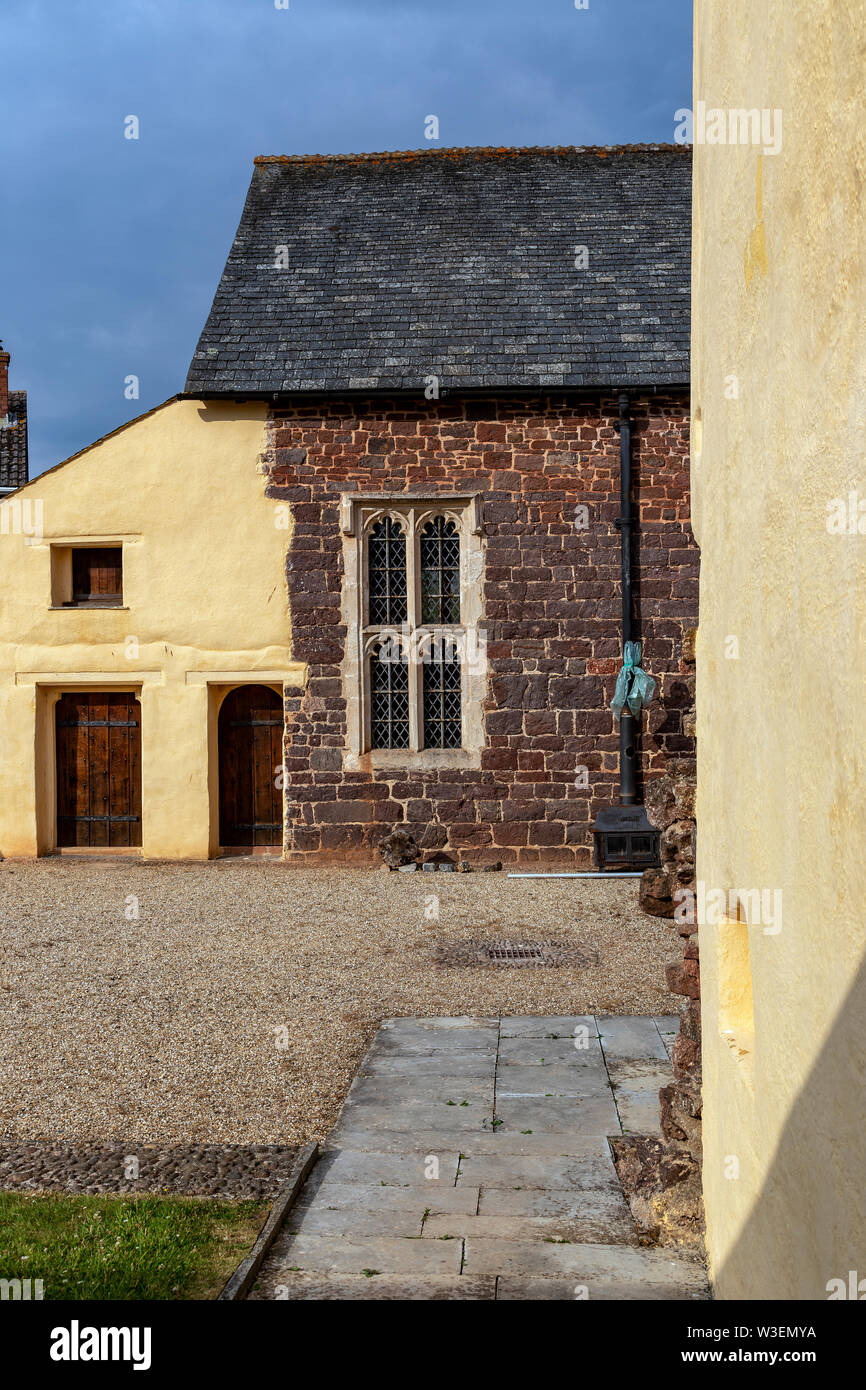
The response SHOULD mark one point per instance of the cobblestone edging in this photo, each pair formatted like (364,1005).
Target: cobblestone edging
(255,1171)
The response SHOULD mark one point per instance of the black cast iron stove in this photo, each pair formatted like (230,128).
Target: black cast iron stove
(624,839)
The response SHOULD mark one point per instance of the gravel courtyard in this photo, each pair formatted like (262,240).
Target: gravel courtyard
(236,1005)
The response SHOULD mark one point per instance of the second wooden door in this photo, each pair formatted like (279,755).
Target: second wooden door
(250,762)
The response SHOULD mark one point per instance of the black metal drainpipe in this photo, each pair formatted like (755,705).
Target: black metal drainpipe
(628,729)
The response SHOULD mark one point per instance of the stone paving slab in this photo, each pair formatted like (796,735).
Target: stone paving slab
(638,1073)
(551,1081)
(587,1114)
(462,1024)
(631,1037)
(579,1172)
(387,1169)
(668,1026)
(639,1112)
(525,1201)
(318,1219)
(307,1285)
(434,1198)
(596,1204)
(547,1026)
(510,1288)
(419,1090)
(587,1262)
(448,1119)
(539,1052)
(636,1083)
(554,1229)
(427,1040)
(425,1065)
(352,1255)
(472,1143)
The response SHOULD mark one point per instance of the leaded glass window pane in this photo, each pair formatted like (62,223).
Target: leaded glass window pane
(442,711)
(386,558)
(389,698)
(440,572)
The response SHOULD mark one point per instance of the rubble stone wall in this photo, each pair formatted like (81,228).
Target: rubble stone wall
(551,613)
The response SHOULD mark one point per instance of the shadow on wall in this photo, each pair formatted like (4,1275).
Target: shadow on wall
(808,1226)
(218,412)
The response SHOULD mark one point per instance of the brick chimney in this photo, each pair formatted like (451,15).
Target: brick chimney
(4,383)
(14,470)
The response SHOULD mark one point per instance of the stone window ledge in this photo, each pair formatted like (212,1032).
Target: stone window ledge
(405,760)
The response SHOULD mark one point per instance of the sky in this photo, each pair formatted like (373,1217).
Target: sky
(111,248)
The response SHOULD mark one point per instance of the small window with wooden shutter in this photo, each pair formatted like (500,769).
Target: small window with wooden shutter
(97,576)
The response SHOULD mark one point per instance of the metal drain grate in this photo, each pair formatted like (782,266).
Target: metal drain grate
(515,953)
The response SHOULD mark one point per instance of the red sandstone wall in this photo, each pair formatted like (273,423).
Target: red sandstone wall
(551,612)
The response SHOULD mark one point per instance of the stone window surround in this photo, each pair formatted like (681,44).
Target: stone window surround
(358,514)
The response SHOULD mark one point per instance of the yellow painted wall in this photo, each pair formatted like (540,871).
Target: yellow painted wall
(205,597)
(779,303)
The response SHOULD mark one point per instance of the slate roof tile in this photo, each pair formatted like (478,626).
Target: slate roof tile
(459,264)
(13,443)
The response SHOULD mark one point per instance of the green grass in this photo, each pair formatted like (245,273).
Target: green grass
(125,1247)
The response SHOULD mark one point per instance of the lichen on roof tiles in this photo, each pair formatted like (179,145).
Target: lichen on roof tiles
(403,263)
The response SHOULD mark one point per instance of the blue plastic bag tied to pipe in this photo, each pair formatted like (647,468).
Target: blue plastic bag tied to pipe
(633,686)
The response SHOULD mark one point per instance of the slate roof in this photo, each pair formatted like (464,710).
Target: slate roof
(13,443)
(458,264)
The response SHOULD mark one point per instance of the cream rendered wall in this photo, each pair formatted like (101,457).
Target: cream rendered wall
(204,590)
(779,303)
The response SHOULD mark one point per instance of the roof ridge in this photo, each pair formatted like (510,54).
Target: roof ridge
(468,151)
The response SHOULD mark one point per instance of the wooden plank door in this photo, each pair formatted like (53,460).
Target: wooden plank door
(98,749)
(250,755)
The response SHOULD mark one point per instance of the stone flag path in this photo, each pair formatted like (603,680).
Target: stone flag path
(470,1161)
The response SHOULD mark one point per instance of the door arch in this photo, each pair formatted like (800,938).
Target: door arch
(250,736)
